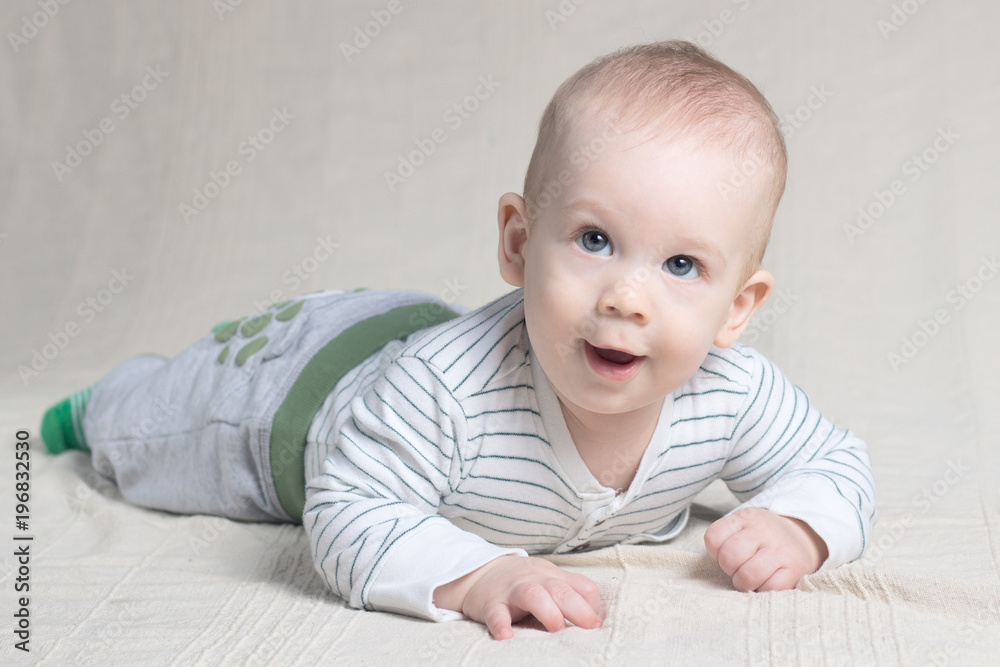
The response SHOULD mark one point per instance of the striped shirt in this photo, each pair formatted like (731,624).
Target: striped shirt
(447,449)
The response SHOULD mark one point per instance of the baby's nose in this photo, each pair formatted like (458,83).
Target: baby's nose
(627,298)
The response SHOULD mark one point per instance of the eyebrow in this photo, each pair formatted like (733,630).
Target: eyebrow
(588,206)
(703,245)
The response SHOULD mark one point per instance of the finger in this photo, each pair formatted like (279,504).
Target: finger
(574,607)
(736,551)
(752,574)
(746,580)
(586,587)
(537,601)
(720,531)
(784,579)
(498,622)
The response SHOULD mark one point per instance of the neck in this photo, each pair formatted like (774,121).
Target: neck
(612,446)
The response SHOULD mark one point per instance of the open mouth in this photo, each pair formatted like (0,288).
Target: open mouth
(613,364)
(614,356)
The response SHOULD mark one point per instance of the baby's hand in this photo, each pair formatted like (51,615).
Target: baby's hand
(508,588)
(764,551)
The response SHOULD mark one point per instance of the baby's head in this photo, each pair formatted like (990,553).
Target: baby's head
(646,212)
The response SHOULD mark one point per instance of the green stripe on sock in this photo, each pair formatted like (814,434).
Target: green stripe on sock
(320,375)
(79,403)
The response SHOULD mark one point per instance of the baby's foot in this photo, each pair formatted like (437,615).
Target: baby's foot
(62,425)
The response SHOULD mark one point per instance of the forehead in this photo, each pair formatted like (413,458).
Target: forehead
(602,125)
(663,191)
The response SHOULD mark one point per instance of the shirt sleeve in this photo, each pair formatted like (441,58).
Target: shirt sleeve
(790,459)
(371,514)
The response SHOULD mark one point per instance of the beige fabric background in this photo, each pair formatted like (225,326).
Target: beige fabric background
(115,584)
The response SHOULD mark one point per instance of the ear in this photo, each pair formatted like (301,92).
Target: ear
(749,299)
(512,219)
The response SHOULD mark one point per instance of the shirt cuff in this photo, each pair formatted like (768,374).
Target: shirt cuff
(434,554)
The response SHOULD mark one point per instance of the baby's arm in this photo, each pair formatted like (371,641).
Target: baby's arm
(377,538)
(508,588)
(807,487)
(374,493)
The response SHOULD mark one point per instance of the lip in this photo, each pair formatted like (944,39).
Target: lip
(611,370)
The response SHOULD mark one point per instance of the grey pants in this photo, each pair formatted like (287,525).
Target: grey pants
(193,434)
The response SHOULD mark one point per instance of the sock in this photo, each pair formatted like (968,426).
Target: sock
(62,425)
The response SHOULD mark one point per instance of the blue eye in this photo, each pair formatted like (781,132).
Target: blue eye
(682,266)
(594,241)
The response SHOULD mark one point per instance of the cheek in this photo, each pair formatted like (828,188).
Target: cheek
(683,336)
(683,352)
(688,335)
(551,287)
(553,311)
(549,314)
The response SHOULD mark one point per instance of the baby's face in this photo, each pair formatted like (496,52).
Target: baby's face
(642,254)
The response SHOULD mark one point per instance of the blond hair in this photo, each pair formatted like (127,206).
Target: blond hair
(680,91)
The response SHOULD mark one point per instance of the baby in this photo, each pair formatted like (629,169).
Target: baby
(430,450)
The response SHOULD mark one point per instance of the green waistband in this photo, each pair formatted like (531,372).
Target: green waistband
(319,377)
